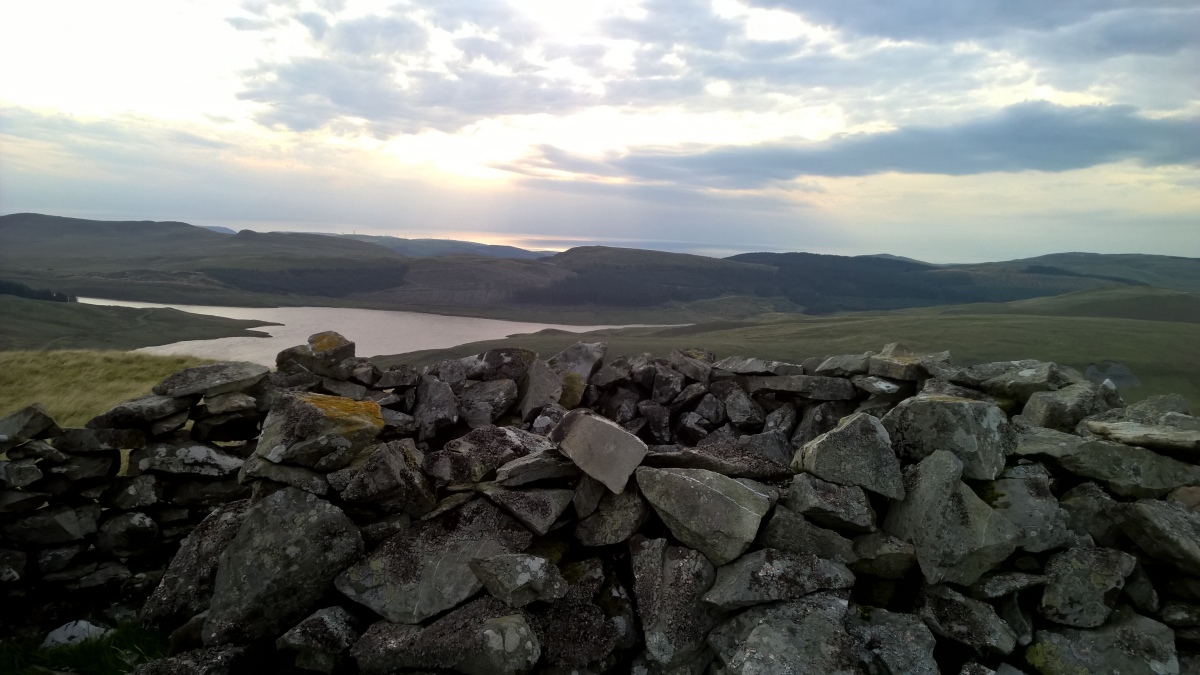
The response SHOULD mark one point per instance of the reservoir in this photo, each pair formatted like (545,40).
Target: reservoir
(374,332)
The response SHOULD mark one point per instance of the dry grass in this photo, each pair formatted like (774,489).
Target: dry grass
(76,385)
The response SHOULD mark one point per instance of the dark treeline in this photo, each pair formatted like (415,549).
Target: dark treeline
(23,291)
(331,283)
(643,286)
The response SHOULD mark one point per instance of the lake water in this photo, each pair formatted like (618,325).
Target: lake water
(374,332)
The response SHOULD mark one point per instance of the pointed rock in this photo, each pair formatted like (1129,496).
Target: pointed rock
(601,448)
(768,575)
(669,583)
(714,514)
(977,432)
(536,509)
(856,452)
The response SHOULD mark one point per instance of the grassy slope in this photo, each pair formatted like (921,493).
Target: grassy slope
(1160,353)
(39,324)
(76,385)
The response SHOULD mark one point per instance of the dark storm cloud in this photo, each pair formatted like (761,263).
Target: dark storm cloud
(1030,136)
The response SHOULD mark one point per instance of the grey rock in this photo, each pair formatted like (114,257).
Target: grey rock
(882,555)
(27,423)
(423,572)
(658,418)
(170,424)
(882,388)
(856,452)
(471,458)
(721,455)
(809,386)
(1022,495)
(212,380)
(769,574)
(207,494)
(37,450)
(1022,379)
(588,493)
(343,389)
(21,473)
(820,418)
(187,585)
(845,365)
(668,385)
(235,401)
(541,387)
(1167,531)
(746,365)
(618,371)
(450,503)
(1127,471)
(536,509)
(711,409)
(289,549)
(741,410)
(482,403)
(14,501)
(323,640)
(1000,584)
(543,464)
(1139,591)
(141,411)
(504,363)
(1128,644)
(890,643)
(127,534)
(1154,437)
(1064,408)
(54,525)
(622,405)
(295,476)
(805,637)
(690,395)
(517,579)
(771,444)
(693,369)
(397,423)
(958,537)
(86,441)
(207,661)
(390,474)
(1020,620)
(782,420)
(789,531)
(138,492)
(436,406)
(546,419)
(319,432)
(1083,585)
(669,584)
(82,470)
(188,458)
(691,429)
(73,633)
(590,622)
(971,622)
(1180,614)
(1093,513)
(976,431)
(482,638)
(830,504)
(601,448)
(711,513)
(616,518)
(398,376)
(581,358)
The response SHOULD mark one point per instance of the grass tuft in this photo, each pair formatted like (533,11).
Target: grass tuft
(128,646)
(76,385)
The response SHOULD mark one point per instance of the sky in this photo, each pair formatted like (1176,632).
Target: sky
(944,130)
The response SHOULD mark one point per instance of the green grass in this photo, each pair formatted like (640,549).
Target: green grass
(40,325)
(78,385)
(1117,302)
(128,646)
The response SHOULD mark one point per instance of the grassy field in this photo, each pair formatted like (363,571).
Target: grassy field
(1161,353)
(40,325)
(77,385)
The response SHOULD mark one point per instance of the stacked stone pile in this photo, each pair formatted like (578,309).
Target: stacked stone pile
(873,513)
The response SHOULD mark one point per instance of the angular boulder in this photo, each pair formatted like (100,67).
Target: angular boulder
(890,643)
(711,513)
(601,448)
(1129,644)
(482,403)
(471,458)
(212,379)
(977,432)
(319,432)
(669,584)
(1168,531)
(1082,585)
(517,579)
(535,508)
(971,622)
(858,452)
(322,641)
(789,531)
(1022,495)
(804,637)
(829,504)
(27,423)
(616,518)
(391,475)
(769,575)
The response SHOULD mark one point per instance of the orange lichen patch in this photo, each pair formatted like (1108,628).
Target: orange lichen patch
(348,413)
(326,341)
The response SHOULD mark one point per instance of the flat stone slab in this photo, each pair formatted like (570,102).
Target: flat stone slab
(213,379)
(600,447)
(711,513)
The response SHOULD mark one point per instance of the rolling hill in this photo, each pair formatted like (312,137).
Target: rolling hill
(433,248)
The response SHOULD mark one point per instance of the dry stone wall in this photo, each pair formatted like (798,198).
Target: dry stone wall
(870,513)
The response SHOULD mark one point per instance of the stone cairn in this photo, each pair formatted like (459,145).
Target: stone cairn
(871,513)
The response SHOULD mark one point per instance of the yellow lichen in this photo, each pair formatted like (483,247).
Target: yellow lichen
(326,341)
(346,411)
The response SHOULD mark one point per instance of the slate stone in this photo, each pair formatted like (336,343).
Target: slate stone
(127,534)
(212,380)
(390,475)
(789,531)
(592,620)
(622,405)
(668,384)
(187,585)
(1168,531)
(1129,644)
(829,504)
(541,387)
(482,403)
(820,418)
(1064,408)
(54,525)
(188,458)
(1018,380)
(21,473)
(741,410)
(856,452)
(1157,437)
(28,423)
(809,386)
(975,431)
(882,555)
(581,358)
(537,509)
(890,643)
(721,455)
(771,444)
(711,513)
(83,470)
(1022,495)
(804,637)
(957,536)
(746,365)
(1092,512)
(436,406)
(588,493)
(141,411)
(283,559)
(14,501)
(544,464)
(845,365)
(517,579)
(601,448)
(1083,585)
(1000,584)
(769,574)
(971,622)
(669,584)
(616,518)
(473,457)
(85,441)
(423,572)
(323,640)
(298,477)
(206,494)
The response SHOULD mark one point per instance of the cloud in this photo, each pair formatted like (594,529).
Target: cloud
(1034,136)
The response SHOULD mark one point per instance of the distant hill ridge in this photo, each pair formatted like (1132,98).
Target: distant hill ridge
(177,262)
